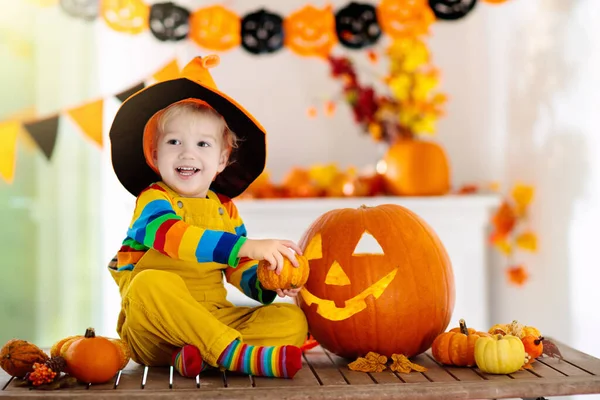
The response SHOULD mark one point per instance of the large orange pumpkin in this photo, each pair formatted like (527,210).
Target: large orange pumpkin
(91,358)
(416,168)
(380,280)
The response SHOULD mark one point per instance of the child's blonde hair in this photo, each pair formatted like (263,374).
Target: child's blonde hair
(156,126)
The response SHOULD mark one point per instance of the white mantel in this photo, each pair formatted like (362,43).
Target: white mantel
(461,222)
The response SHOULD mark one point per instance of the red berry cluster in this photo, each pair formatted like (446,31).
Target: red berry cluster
(41,374)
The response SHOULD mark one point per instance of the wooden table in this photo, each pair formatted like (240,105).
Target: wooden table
(326,375)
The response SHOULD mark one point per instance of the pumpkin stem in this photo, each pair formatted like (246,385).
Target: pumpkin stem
(499,336)
(463,327)
(538,341)
(90,333)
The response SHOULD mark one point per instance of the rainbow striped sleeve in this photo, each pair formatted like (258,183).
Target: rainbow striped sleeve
(244,275)
(156,225)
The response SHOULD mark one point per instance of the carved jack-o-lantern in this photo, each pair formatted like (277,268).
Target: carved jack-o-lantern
(169,21)
(85,9)
(451,9)
(215,28)
(399,18)
(310,31)
(380,281)
(262,32)
(128,16)
(356,25)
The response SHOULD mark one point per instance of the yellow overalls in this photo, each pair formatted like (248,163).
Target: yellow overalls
(168,303)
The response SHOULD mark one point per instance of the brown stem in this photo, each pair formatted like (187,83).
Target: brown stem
(538,341)
(463,327)
(90,333)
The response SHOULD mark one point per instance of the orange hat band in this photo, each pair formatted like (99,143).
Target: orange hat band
(151,130)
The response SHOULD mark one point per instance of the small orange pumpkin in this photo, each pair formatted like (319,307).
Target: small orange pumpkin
(533,347)
(399,18)
(310,31)
(290,277)
(457,346)
(91,358)
(416,168)
(18,356)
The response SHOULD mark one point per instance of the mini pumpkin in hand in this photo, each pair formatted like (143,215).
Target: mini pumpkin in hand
(457,346)
(290,277)
(18,356)
(91,358)
(499,354)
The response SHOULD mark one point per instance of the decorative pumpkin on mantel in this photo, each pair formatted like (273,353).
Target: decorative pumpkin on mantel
(416,168)
(380,280)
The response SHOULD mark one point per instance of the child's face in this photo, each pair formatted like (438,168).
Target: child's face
(190,153)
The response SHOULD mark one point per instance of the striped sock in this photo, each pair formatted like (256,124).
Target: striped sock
(275,361)
(188,361)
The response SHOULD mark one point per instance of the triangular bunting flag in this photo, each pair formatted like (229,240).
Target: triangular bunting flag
(89,119)
(169,71)
(9,131)
(124,95)
(44,132)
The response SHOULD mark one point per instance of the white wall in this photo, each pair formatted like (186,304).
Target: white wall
(523,85)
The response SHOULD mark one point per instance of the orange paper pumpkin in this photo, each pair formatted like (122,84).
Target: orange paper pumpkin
(310,31)
(380,280)
(416,168)
(399,18)
(127,16)
(215,28)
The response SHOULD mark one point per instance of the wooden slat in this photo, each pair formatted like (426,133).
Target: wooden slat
(235,380)
(578,358)
(563,366)
(131,378)
(386,376)
(304,377)
(413,377)
(463,374)
(211,379)
(434,373)
(352,377)
(323,367)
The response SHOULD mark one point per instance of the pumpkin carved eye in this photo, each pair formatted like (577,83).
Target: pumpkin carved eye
(314,250)
(367,246)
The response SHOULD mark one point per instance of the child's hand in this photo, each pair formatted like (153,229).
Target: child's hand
(272,251)
(288,292)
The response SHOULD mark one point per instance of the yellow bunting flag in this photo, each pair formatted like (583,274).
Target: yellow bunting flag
(169,71)
(89,119)
(9,131)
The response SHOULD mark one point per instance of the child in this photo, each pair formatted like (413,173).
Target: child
(184,149)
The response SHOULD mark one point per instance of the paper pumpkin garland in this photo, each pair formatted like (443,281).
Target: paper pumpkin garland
(399,18)
(215,28)
(310,31)
(169,22)
(262,32)
(127,16)
(85,9)
(451,9)
(356,25)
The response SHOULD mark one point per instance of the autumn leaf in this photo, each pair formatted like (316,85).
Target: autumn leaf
(527,241)
(517,275)
(372,362)
(550,349)
(402,364)
(311,112)
(501,243)
(504,220)
(522,194)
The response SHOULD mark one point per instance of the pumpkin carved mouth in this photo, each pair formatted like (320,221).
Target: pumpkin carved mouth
(328,309)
